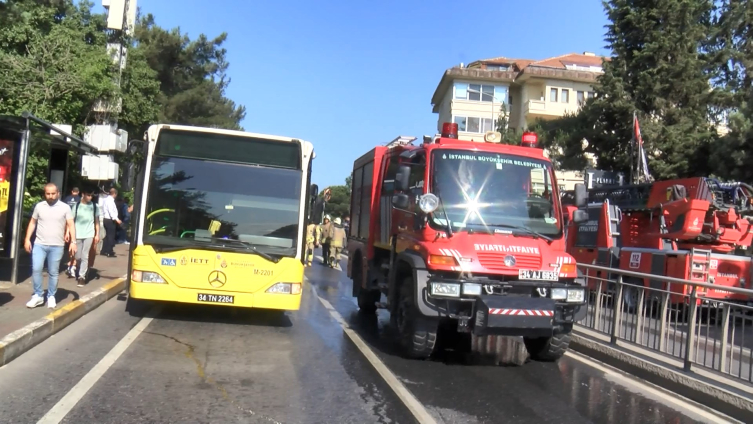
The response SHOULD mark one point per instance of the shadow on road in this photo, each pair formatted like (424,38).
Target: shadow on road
(5,298)
(213,314)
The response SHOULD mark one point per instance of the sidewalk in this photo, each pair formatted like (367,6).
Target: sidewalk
(21,328)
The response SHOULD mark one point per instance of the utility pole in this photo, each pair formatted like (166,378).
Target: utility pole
(105,135)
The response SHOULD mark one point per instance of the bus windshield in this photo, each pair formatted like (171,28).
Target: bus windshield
(191,200)
(495,192)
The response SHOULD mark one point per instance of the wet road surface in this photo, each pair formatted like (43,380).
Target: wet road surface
(193,364)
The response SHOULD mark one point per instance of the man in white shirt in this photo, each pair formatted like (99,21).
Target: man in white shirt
(111,221)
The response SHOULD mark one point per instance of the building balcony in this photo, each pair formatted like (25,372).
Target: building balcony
(546,110)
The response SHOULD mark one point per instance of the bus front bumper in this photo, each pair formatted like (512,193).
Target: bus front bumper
(170,293)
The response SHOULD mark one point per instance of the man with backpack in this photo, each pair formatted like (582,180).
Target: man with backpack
(86,218)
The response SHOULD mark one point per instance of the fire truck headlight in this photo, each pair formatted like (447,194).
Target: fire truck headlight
(428,203)
(472,289)
(576,295)
(559,294)
(445,289)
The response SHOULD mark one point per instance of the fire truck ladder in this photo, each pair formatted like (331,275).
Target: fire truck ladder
(700,269)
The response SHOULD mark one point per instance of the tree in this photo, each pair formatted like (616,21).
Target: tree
(339,203)
(53,63)
(658,70)
(733,55)
(192,76)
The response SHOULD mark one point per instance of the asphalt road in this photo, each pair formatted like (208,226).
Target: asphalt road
(186,364)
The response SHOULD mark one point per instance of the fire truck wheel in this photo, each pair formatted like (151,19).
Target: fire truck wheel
(367,300)
(547,349)
(417,334)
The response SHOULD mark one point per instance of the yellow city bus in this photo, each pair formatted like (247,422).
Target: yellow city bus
(219,217)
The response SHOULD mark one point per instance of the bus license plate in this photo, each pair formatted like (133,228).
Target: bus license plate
(530,274)
(216,298)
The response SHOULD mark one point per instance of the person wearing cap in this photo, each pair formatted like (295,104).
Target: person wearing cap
(324,238)
(337,241)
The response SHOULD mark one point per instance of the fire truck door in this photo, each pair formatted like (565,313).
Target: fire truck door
(404,221)
(385,201)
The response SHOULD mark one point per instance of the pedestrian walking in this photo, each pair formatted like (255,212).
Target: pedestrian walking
(86,218)
(52,222)
(324,239)
(111,222)
(71,201)
(312,241)
(337,241)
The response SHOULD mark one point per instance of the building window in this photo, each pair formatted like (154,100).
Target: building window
(581,97)
(473,124)
(480,92)
(460,120)
(591,94)
(565,95)
(553,95)
(497,68)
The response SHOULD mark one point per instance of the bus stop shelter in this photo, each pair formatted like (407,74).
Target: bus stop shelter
(18,134)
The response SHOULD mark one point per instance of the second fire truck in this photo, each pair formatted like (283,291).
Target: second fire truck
(464,233)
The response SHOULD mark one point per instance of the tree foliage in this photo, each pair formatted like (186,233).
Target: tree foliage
(54,63)
(660,70)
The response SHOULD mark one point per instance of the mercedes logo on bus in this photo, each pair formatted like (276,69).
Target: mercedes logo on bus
(217,279)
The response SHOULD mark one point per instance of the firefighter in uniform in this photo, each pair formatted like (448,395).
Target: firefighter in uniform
(337,238)
(313,235)
(324,238)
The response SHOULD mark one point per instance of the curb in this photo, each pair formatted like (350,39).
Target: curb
(726,401)
(18,342)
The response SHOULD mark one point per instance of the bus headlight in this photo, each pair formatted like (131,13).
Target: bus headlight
(146,277)
(285,288)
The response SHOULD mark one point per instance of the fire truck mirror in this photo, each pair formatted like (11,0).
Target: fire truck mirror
(579,216)
(402,179)
(581,195)
(400,201)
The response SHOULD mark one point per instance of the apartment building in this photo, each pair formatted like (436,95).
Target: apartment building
(474,96)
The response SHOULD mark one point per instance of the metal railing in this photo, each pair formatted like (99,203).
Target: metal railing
(670,316)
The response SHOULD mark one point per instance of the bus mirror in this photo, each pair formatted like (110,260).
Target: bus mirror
(579,216)
(314,191)
(400,201)
(402,178)
(581,195)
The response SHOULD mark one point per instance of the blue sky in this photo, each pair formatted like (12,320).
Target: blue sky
(348,76)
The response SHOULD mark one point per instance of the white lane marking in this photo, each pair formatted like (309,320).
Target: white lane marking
(66,404)
(641,386)
(415,407)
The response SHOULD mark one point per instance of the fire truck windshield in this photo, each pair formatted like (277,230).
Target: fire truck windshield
(494,191)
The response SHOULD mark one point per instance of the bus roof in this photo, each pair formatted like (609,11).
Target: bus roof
(154,130)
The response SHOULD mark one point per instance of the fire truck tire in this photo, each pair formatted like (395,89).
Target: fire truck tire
(547,349)
(417,334)
(367,300)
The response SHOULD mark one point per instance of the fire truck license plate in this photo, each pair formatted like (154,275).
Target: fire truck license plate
(530,274)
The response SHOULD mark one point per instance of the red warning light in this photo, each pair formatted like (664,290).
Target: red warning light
(449,130)
(530,139)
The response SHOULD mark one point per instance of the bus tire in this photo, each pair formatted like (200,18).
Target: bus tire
(417,334)
(547,349)
(136,307)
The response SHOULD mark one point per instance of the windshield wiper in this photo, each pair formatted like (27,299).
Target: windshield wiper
(248,246)
(526,229)
(206,245)
(448,228)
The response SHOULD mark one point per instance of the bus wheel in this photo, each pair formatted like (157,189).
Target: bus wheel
(417,334)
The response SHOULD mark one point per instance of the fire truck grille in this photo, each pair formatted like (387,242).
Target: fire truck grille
(496,261)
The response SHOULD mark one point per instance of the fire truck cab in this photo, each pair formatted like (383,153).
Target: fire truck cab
(465,233)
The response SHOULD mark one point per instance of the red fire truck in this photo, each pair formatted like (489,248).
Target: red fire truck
(463,233)
(693,228)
